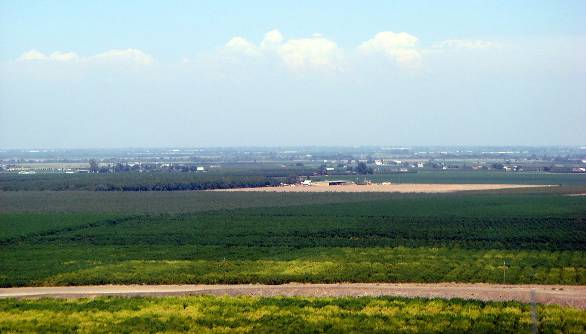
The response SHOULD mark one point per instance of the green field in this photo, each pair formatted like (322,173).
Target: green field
(536,236)
(206,314)
(154,202)
(278,238)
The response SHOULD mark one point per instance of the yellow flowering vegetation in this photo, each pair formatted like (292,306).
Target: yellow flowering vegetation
(208,314)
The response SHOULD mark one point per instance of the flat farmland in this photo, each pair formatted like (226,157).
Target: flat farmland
(300,255)
(156,202)
(275,238)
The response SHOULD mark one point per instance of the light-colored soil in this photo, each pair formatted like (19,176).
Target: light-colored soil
(394,187)
(565,295)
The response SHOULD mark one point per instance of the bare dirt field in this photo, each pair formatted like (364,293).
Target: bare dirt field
(564,295)
(394,187)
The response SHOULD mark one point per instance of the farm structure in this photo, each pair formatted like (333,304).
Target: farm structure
(339,182)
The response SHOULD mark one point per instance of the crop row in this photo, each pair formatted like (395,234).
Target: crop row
(164,264)
(229,230)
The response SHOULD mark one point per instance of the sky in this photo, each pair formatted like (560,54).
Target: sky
(114,74)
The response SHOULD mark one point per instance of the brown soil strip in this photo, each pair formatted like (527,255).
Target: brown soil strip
(564,295)
(393,187)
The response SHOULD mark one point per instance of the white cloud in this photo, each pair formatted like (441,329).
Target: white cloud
(56,56)
(63,56)
(242,45)
(33,55)
(126,55)
(310,52)
(400,47)
(272,39)
(296,54)
(130,55)
(465,44)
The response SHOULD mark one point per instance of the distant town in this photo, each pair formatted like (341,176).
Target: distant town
(305,160)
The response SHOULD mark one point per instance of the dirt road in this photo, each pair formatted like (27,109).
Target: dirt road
(565,295)
(393,187)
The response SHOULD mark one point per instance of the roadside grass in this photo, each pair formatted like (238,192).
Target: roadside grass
(212,314)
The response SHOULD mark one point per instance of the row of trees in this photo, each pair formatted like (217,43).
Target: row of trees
(362,168)
(155,181)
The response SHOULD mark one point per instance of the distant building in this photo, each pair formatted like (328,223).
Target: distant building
(339,182)
(200,169)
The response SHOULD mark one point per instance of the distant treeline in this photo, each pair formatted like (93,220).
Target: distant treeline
(132,182)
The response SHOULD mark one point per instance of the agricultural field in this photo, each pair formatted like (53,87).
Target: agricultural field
(209,314)
(157,202)
(228,178)
(86,237)
(536,238)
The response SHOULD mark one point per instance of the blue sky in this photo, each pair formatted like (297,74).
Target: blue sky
(177,28)
(222,73)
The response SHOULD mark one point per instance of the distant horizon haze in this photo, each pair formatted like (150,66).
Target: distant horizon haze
(295,147)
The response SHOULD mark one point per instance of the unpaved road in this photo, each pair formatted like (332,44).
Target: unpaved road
(393,187)
(565,295)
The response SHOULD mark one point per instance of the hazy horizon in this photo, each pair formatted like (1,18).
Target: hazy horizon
(294,147)
(206,74)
